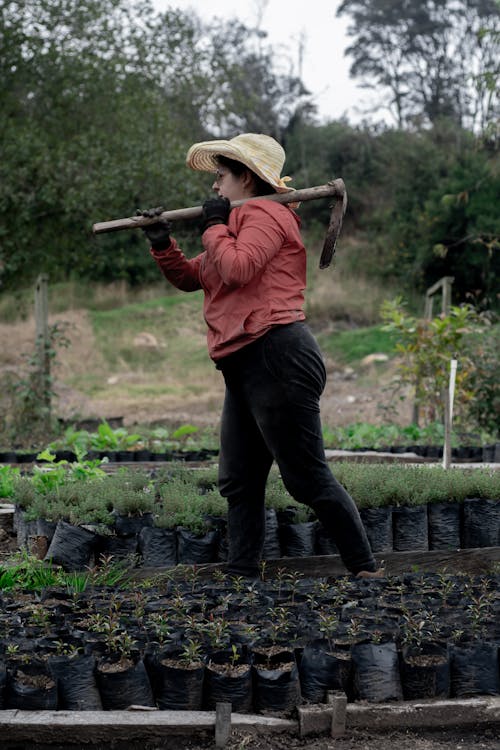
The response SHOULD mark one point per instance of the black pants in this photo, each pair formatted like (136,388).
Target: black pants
(271,412)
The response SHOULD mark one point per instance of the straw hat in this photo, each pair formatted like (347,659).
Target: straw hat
(259,152)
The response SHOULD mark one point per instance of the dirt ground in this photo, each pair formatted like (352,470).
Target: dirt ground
(449,739)
(351,395)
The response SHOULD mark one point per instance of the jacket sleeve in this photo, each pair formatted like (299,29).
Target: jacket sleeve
(182,272)
(243,248)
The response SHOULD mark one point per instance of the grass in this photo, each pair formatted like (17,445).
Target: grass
(352,345)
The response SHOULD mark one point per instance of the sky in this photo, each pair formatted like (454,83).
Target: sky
(325,69)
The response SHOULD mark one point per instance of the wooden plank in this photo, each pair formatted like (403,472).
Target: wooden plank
(476,561)
(426,714)
(78,727)
(222,724)
(422,714)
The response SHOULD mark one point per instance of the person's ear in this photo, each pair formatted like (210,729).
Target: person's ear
(247,180)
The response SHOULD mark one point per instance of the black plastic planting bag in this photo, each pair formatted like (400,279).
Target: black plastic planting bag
(178,687)
(3,681)
(298,539)
(76,683)
(272,548)
(410,528)
(378,527)
(444,525)
(223,684)
(276,685)
(158,547)
(71,546)
(323,668)
(132,525)
(474,670)
(193,549)
(481,523)
(376,672)
(30,687)
(117,547)
(124,684)
(425,672)
(46,528)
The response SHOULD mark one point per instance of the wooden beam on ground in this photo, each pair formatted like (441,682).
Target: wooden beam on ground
(423,714)
(476,561)
(81,727)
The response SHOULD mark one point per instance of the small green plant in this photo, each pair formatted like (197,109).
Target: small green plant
(278,623)
(76,582)
(328,623)
(27,573)
(417,628)
(8,477)
(217,631)
(192,653)
(160,625)
(262,570)
(235,656)
(107,438)
(425,348)
(65,649)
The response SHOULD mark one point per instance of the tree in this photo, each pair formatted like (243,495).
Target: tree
(433,57)
(100,101)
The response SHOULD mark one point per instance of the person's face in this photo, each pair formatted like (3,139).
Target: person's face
(227,185)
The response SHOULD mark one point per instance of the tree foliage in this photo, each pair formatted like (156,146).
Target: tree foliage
(435,58)
(100,101)
(422,203)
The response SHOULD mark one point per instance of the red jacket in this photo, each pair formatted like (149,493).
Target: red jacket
(252,271)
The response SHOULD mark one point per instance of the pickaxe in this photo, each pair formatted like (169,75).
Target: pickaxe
(335,189)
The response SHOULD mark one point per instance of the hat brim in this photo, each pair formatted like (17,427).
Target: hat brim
(203,157)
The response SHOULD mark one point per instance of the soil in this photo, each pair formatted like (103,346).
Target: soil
(449,739)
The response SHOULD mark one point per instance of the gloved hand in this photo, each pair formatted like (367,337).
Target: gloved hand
(215,211)
(159,233)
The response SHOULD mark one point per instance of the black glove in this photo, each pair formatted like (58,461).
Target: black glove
(215,211)
(159,233)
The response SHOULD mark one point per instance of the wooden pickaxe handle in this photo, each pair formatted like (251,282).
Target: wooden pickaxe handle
(335,189)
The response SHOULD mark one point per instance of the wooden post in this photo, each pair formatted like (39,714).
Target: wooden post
(444,284)
(222,723)
(338,701)
(43,344)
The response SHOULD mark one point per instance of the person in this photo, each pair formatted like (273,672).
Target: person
(253,273)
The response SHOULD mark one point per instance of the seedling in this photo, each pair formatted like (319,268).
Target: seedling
(235,656)
(278,623)
(217,631)
(65,649)
(192,653)
(262,569)
(219,576)
(160,626)
(328,625)
(238,582)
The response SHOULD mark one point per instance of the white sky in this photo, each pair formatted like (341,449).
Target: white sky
(325,69)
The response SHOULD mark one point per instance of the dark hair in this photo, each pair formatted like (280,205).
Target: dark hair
(237,168)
